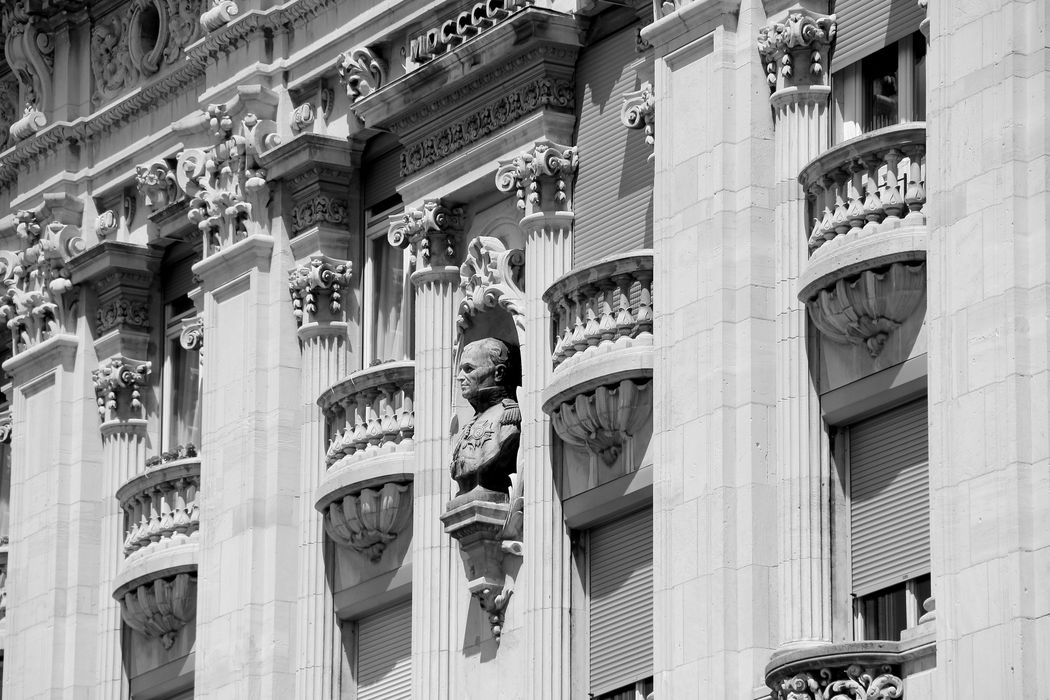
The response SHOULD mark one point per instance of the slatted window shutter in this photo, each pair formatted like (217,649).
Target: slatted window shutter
(177,277)
(889,498)
(621,602)
(865,26)
(614,185)
(384,654)
(381,172)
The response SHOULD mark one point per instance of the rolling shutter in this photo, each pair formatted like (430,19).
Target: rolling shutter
(865,26)
(614,185)
(177,277)
(384,654)
(889,498)
(381,172)
(621,602)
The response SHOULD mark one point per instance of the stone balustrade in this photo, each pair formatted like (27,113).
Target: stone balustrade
(374,408)
(160,507)
(366,495)
(602,306)
(867,268)
(600,391)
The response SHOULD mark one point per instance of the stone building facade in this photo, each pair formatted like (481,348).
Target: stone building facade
(544,349)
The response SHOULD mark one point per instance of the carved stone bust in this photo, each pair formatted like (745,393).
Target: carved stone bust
(485,453)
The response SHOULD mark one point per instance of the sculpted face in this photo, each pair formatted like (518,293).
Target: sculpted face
(478,373)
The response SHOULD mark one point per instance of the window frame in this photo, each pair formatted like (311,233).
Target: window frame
(173,327)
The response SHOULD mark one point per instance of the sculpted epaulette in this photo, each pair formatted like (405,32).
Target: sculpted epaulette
(511,413)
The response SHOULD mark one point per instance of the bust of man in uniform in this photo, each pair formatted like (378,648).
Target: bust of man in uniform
(486,451)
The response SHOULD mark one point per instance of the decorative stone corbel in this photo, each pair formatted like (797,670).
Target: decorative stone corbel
(857,680)
(303,117)
(639,112)
(106,224)
(526,172)
(602,420)
(162,607)
(219,14)
(118,381)
(368,520)
(795,51)
(491,277)
(226,184)
(30,51)
(361,71)
(427,232)
(157,183)
(321,277)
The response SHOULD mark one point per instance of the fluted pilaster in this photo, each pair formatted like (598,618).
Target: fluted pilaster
(437,595)
(123,456)
(795,52)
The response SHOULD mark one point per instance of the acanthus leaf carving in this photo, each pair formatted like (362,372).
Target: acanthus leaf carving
(316,210)
(526,172)
(122,312)
(853,682)
(803,36)
(428,232)
(119,377)
(491,276)
(322,276)
(225,182)
(361,71)
(639,112)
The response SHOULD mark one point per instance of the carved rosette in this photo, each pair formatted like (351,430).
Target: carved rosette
(545,161)
(795,51)
(226,184)
(119,381)
(219,14)
(157,183)
(361,71)
(491,277)
(854,682)
(322,276)
(427,232)
(34,305)
(30,51)
(368,520)
(162,607)
(317,210)
(639,112)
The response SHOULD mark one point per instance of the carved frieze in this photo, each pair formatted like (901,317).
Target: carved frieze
(119,381)
(491,277)
(526,172)
(508,108)
(321,277)
(29,48)
(318,209)
(219,14)
(138,41)
(639,112)
(35,305)
(795,51)
(361,71)
(122,312)
(227,186)
(427,232)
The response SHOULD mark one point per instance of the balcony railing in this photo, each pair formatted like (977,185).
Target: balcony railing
(600,390)
(866,273)
(365,496)
(160,507)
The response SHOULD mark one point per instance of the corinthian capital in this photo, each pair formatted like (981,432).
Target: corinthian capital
(320,277)
(116,378)
(428,232)
(795,51)
(532,173)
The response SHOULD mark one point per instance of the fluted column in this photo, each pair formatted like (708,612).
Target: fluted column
(541,178)
(437,594)
(317,289)
(795,53)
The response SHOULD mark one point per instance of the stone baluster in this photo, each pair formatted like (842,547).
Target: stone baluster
(795,53)
(546,172)
(323,341)
(429,232)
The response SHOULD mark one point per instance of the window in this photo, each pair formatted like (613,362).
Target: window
(388,295)
(889,520)
(181,415)
(384,654)
(882,89)
(620,607)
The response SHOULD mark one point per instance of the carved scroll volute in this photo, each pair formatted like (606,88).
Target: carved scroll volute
(639,112)
(316,285)
(30,51)
(361,71)
(428,232)
(118,388)
(795,51)
(541,177)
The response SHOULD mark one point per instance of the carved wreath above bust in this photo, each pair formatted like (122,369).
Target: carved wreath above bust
(139,41)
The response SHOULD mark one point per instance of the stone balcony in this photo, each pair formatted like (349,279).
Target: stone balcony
(157,583)
(600,390)
(875,669)
(867,268)
(366,495)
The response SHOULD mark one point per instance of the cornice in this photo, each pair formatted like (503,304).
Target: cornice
(689,20)
(307,152)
